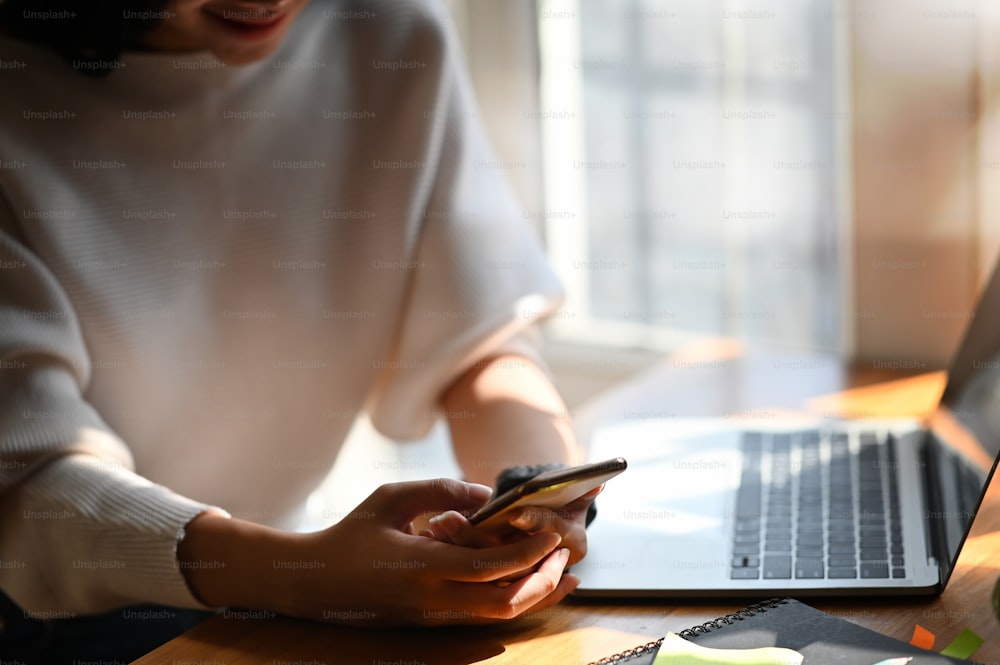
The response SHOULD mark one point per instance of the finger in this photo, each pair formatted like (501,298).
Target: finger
(452,527)
(567,583)
(542,520)
(575,538)
(578,507)
(487,564)
(582,503)
(506,602)
(534,519)
(537,518)
(403,502)
(536,587)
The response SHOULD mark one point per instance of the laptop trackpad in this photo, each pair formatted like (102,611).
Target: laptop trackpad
(666,523)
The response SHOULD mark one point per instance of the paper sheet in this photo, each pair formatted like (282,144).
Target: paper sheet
(675,650)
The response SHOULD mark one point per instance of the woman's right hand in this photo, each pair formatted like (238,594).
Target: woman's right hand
(369,570)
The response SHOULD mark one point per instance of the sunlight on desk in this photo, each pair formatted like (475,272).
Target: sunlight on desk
(987,547)
(580,645)
(901,398)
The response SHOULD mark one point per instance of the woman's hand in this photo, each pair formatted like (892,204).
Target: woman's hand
(369,570)
(568,522)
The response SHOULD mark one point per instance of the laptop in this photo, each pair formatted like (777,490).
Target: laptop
(810,507)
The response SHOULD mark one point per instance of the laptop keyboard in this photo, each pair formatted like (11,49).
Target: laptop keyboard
(808,509)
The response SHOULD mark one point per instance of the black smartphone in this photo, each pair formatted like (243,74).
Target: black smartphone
(552,489)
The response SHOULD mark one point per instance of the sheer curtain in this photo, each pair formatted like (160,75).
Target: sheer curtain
(693,169)
(755,169)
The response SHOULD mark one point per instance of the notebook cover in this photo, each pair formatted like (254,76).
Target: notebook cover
(822,638)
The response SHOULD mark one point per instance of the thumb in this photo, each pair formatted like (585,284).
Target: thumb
(402,502)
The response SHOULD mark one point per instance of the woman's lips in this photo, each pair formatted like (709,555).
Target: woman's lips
(247,22)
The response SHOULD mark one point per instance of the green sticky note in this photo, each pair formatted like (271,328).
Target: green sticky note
(964,645)
(675,650)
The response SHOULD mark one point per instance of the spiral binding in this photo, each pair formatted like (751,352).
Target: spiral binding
(630,653)
(730,619)
(694,631)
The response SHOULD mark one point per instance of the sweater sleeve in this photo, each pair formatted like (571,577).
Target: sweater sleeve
(80,532)
(480,280)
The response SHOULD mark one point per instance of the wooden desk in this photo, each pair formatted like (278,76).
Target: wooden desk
(711,380)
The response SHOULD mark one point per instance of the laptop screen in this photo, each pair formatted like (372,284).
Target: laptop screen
(968,419)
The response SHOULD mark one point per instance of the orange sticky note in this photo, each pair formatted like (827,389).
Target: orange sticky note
(922,637)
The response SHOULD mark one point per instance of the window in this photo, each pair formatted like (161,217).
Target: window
(693,154)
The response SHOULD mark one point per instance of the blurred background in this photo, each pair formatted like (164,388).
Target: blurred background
(817,175)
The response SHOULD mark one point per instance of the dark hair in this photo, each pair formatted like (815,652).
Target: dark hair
(94,32)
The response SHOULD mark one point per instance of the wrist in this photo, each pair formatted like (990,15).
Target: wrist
(231,562)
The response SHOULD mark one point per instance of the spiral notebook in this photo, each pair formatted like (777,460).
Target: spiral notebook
(822,638)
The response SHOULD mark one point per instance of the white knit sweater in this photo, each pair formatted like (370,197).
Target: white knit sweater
(206,272)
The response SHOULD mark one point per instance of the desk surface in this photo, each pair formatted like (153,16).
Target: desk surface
(708,380)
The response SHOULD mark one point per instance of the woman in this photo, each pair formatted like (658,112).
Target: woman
(226,228)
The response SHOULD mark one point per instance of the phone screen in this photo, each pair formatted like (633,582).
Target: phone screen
(551,489)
